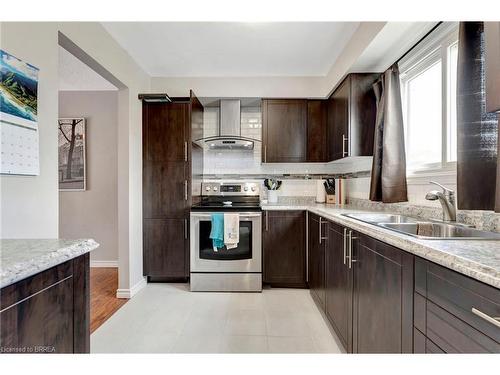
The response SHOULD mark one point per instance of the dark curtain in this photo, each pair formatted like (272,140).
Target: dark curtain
(477,130)
(388,177)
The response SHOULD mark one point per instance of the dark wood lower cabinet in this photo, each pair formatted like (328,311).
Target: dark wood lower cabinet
(369,301)
(316,259)
(48,312)
(383,302)
(284,248)
(165,248)
(389,301)
(339,286)
(451,311)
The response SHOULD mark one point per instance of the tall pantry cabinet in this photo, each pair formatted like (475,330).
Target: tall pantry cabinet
(170,160)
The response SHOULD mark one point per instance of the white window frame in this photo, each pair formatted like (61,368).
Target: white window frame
(432,49)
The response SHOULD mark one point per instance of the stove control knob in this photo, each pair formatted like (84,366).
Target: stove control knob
(253,188)
(245,188)
(215,188)
(207,188)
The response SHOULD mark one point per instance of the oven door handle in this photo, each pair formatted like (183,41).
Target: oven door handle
(242,216)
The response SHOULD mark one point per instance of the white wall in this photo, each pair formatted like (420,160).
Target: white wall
(93,213)
(29,204)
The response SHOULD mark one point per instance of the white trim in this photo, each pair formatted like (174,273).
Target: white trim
(129,293)
(435,48)
(104,263)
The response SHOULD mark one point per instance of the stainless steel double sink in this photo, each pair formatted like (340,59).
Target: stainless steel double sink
(424,229)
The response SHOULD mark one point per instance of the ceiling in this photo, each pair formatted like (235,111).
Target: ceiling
(74,75)
(390,44)
(230,49)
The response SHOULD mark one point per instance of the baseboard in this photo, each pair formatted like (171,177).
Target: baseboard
(104,263)
(129,293)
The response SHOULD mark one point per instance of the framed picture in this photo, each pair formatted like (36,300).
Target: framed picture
(18,116)
(72,150)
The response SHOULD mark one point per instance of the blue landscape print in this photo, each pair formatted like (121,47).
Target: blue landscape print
(18,87)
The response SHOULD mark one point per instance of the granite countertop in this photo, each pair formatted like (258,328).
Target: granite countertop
(22,258)
(479,259)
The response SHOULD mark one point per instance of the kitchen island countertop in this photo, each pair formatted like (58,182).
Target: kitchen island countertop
(21,258)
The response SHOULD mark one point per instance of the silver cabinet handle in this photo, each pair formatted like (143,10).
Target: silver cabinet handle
(265,153)
(344,140)
(345,244)
(495,321)
(351,238)
(185,190)
(185,229)
(321,238)
(319,227)
(267,221)
(185,151)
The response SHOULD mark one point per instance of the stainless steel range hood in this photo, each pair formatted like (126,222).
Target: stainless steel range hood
(229,137)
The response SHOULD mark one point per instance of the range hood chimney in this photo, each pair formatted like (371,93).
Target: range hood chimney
(229,137)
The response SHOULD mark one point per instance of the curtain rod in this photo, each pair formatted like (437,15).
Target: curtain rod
(421,39)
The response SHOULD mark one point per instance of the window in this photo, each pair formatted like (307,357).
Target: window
(428,87)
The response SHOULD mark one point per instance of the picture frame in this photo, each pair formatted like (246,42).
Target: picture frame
(72,150)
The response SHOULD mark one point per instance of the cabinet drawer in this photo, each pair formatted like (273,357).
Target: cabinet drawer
(431,348)
(418,341)
(455,336)
(458,295)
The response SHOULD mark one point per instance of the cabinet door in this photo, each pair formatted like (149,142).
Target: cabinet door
(165,190)
(316,260)
(492,60)
(338,121)
(339,291)
(284,248)
(362,114)
(383,298)
(37,312)
(284,130)
(165,247)
(165,131)
(316,131)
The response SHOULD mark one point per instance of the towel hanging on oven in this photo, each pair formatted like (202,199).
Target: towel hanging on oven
(217,231)
(231,230)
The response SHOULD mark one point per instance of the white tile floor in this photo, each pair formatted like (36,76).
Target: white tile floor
(167,318)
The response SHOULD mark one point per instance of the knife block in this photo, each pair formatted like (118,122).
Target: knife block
(330,199)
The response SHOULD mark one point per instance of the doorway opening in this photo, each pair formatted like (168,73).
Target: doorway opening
(88,172)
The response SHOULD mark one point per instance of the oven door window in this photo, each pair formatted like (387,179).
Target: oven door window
(242,251)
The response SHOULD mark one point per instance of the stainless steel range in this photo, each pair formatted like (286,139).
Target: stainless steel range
(222,269)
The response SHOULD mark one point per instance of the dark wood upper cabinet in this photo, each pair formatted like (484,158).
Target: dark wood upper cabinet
(284,130)
(492,59)
(316,258)
(383,303)
(351,117)
(165,131)
(339,286)
(317,146)
(284,248)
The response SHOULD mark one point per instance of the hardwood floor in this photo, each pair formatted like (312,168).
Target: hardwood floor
(103,301)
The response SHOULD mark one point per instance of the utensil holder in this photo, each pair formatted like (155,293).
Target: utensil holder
(272,196)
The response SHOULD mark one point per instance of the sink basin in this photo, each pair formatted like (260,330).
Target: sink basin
(442,231)
(375,218)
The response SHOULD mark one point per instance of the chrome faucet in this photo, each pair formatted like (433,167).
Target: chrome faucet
(447,199)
